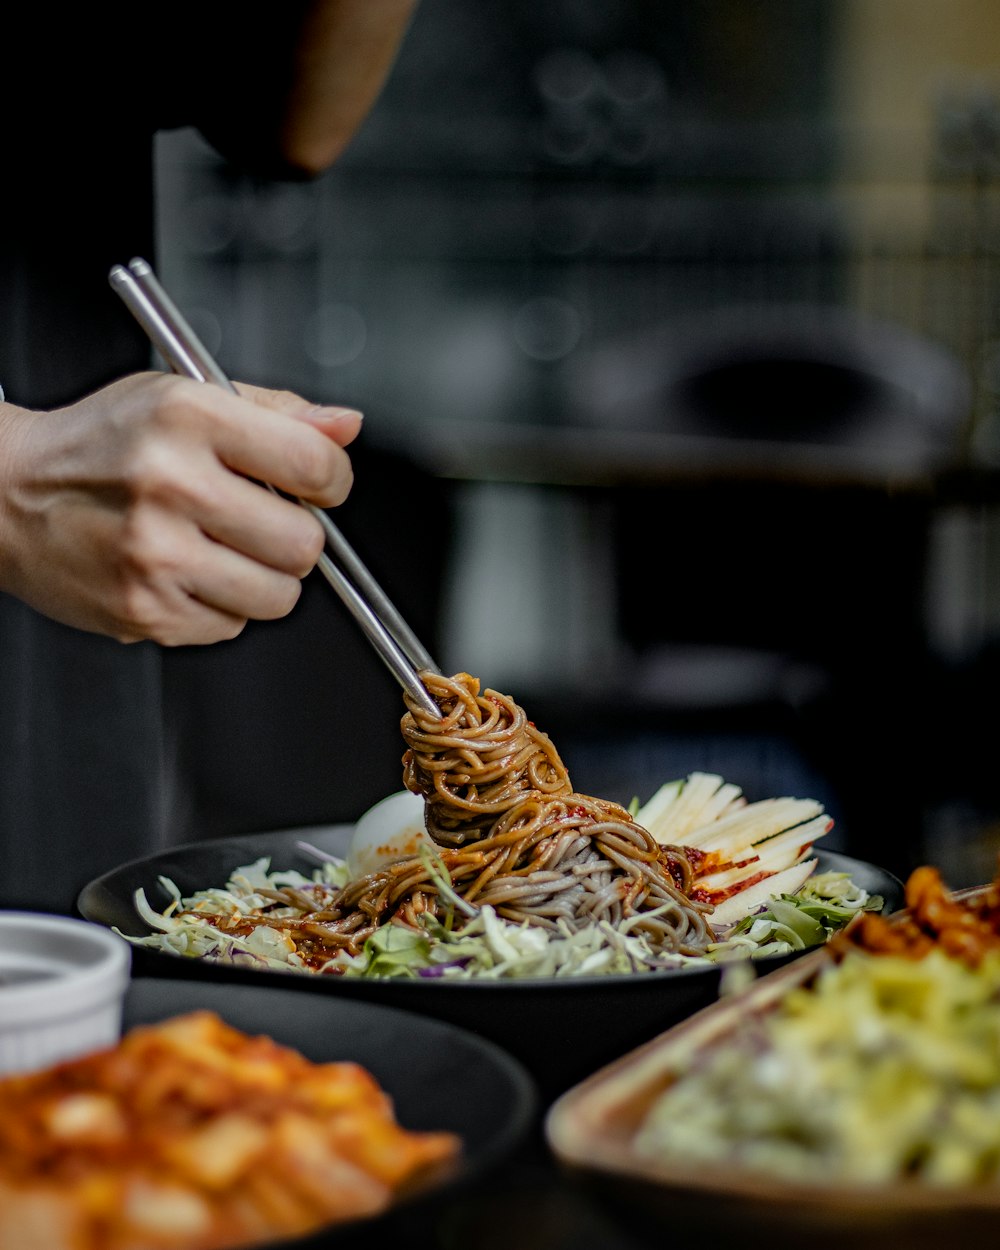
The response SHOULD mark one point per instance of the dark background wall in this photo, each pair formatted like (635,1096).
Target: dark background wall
(674,329)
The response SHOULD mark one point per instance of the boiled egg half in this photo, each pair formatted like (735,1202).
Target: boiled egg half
(391,830)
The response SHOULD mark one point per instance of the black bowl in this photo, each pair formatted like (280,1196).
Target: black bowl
(561,1029)
(439,1078)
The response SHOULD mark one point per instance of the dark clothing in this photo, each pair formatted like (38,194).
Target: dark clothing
(83,767)
(84,90)
(86,778)
(112,752)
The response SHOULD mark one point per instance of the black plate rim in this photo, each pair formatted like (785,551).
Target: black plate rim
(828,861)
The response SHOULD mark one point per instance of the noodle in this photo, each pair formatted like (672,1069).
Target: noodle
(509,834)
(569,859)
(516,837)
(474,763)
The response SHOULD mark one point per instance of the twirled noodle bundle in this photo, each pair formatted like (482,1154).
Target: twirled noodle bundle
(476,762)
(513,835)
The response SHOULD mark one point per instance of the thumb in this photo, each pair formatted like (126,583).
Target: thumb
(340,424)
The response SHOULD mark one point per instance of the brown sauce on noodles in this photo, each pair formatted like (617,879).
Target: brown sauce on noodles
(509,832)
(515,835)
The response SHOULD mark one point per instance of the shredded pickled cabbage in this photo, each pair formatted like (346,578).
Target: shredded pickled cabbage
(885,1068)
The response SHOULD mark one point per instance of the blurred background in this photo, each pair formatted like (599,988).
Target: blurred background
(677,332)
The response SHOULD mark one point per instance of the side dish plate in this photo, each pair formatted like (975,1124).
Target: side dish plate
(439,1077)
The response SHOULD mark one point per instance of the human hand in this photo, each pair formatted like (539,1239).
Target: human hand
(137,512)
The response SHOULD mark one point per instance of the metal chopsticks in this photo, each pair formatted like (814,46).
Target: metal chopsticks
(385,628)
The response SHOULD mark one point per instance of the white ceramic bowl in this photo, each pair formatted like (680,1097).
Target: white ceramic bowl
(62,985)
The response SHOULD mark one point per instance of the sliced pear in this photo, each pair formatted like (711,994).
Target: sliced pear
(727,799)
(769,858)
(680,806)
(773,854)
(803,835)
(789,881)
(730,878)
(751,824)
(656,810)
(687,811)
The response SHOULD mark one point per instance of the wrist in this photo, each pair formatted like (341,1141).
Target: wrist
(13,428)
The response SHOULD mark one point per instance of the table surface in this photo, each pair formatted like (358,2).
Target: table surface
(527,1203)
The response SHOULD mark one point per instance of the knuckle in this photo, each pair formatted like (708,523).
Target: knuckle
(312,463)
(344,483)
(305,546)
(283,597)
(148,571)
(276,398)
(157,474)
(151,471)
(182,411)
(173,400)
(136,598)
(144,549)
(338,484)
(289,595)
(226,629)
(138,615)
(284,399)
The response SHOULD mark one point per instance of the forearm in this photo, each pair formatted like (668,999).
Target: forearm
(308,87)
(343,59)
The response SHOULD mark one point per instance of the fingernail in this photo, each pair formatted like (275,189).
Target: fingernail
(340,414)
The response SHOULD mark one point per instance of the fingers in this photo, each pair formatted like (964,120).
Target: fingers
(195,625)
(211,600)
(255,547)
(284,442)
(235,587)
(342,425)
(242,515)
(176,585)
(138,511)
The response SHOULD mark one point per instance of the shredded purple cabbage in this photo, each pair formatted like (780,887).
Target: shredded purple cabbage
(438,970)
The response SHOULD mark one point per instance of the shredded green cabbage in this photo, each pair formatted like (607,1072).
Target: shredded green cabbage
(794,922)
(483,945)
